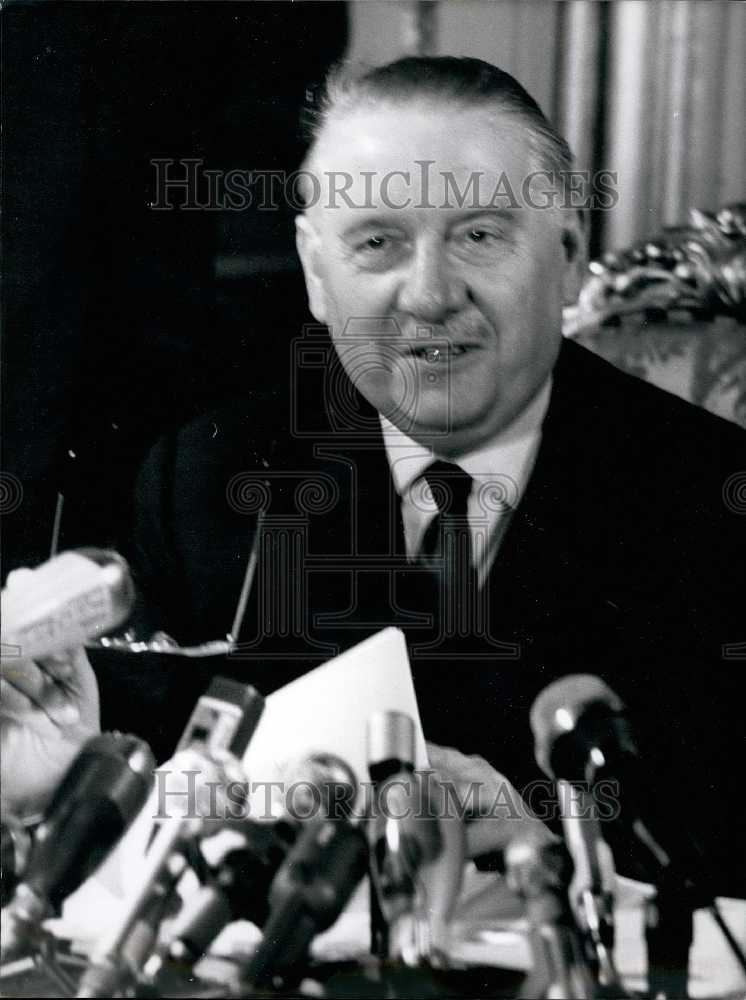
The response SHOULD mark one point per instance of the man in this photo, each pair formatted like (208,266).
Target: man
(574,512)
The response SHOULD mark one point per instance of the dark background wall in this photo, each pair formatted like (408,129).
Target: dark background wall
(120,320)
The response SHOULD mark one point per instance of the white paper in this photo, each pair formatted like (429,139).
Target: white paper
(328,709)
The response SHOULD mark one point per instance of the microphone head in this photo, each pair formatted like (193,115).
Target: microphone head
(559,718)
(102,792)
(536,865)
(391,743)
(115,768)
(322,784)
(308,893)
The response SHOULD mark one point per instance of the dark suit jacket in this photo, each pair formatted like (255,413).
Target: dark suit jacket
(625,558)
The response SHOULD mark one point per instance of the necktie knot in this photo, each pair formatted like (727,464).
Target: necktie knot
(450,487)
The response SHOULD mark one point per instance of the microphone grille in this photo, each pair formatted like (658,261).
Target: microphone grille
(559,706)
(571,694)
(391,736)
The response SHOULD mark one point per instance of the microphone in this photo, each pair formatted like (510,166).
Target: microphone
(553,716)
(540,873)
(219,729)
(102,792)
(308,893)
(323,784)
(417,850)
(224,719)
(390,738)
(582,732)
(76,596)
(119,955)
(238,886)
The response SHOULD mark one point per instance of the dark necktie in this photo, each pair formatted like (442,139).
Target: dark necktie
(446,548)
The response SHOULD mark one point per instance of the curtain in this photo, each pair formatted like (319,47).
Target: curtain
(654,92)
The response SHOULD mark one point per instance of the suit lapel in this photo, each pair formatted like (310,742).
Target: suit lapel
(552,552)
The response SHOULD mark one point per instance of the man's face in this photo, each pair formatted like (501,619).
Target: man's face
(443,300)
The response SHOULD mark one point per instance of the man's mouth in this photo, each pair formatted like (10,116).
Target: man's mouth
(441,351)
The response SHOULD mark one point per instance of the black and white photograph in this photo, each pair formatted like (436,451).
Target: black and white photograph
(373,495)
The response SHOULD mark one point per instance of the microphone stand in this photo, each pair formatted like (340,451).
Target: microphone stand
(540,874)
(593,885)
(669,922)
(669,932)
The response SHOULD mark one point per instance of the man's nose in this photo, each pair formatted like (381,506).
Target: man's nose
(431,289)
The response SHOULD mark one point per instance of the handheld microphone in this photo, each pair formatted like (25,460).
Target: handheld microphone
(540,873)
(76,596)
(98,798)
(308,893)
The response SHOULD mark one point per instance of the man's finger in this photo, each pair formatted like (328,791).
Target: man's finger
(60,667)
(29,687)
(23,675)
(13,702)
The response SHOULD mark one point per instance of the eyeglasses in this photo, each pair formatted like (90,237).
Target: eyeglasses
(162,643)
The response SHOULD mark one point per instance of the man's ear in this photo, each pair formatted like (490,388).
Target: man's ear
(575,246)
(308,243)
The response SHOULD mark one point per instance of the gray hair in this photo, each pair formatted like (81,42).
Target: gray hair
(458,80)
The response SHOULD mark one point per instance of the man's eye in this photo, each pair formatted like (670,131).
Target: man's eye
(479,243)
(375,243)
(378,251)
(480,235)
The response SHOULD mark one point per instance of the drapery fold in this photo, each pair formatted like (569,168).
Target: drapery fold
(652,91)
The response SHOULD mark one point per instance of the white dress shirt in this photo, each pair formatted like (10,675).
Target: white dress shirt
(500,470)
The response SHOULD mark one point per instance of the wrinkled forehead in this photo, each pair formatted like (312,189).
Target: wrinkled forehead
(446,155)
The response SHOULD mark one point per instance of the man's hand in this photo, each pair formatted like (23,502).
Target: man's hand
(496,811)
(47,711)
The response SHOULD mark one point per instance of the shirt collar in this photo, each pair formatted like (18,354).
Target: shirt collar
(504,455)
